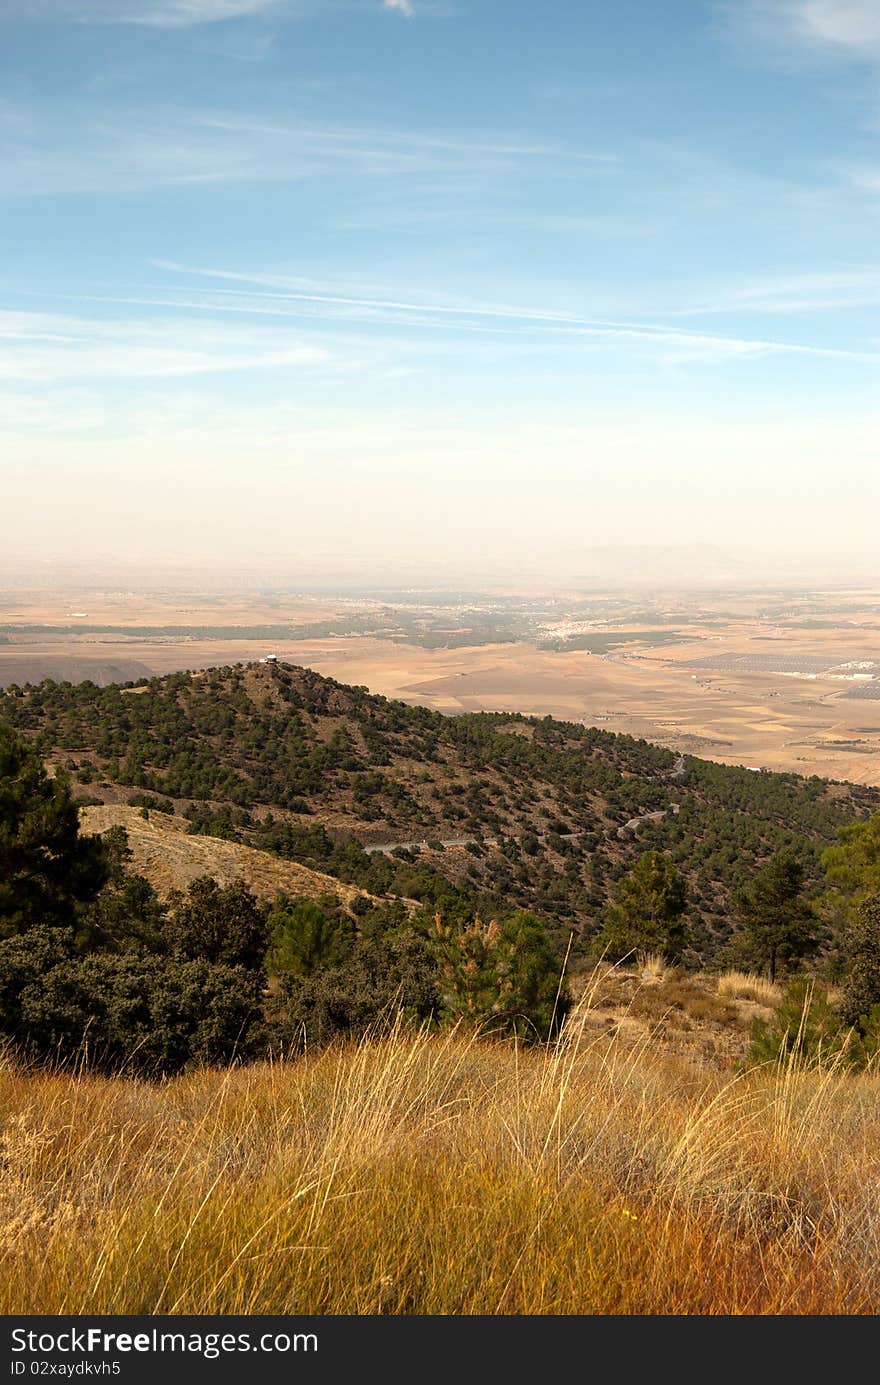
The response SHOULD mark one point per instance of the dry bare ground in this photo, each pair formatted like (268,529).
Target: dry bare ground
(170,858)
(440,1174)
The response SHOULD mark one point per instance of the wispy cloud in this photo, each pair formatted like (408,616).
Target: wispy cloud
(531,326)
(350,141)
(42,348)
(170,14)
(307,291)
(166,146)
(845,23)
(796,293)
(845,26)
(865,177)
(158,14)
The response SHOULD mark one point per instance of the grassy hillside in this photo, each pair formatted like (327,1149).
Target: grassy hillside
(416,1174)
(532,812)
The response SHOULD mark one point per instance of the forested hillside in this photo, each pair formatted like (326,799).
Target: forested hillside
(491,811)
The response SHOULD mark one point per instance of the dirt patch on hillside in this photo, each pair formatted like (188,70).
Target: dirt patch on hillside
(170,858)
(675,1013)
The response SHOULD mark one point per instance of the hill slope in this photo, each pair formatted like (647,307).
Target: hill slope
(285,760)
(171,858)
(436,1175)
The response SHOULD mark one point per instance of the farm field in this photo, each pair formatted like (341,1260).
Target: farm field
(775,680)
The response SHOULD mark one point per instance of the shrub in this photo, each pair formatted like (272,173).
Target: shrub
(654,967)
(647,914)
(861,952)
(504,974)
(306,934)
(383,978)
(852,868)
(146,1014)
(805,1027)
(220,820)
(47,870)
(24,959)
(741,985)
(777,924)
(216,923)
(127,915)
(150,801)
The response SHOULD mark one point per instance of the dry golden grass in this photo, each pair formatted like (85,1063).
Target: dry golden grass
(653,967)
(665,1009)
(426,1174)
(745,985)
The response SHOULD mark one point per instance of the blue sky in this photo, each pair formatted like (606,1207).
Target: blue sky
(477,281)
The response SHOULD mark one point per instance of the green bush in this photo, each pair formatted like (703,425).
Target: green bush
(647,914)
(24,959)
(217,923)
(861,961)
(47,870)
(305,934)
(776,922)
(144,1014)
(805,1027)
(151,802)
(127,915)
(504,975)
(383,978)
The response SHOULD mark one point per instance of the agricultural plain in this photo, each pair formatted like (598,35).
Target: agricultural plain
(784,680)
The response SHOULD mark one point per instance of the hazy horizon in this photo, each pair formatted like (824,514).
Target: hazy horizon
(422,290)
(614,569)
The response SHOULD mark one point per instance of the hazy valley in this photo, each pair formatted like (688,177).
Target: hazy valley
(786,679)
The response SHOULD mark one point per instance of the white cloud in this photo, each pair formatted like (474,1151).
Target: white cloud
(850,23)
(167,14)
(278,296)
(182,13)
(158,14)
(847,26)
(40,348)
(867,179)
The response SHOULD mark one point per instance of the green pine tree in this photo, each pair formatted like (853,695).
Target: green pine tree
(48,871)
(648,912)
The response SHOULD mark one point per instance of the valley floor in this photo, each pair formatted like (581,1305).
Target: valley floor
(443,1175)
(784,680)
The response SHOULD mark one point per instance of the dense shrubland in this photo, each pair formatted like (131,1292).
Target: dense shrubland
(96,969)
